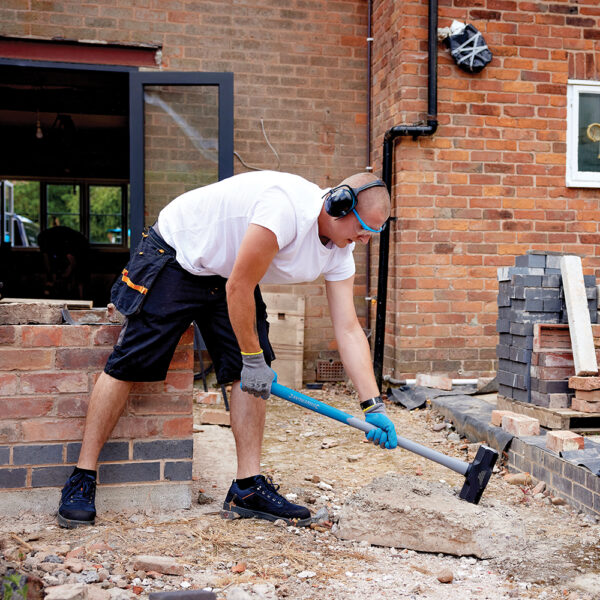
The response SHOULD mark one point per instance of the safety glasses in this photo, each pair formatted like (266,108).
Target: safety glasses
(365,226)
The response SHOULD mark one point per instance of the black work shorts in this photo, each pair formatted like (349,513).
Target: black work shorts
(160,300)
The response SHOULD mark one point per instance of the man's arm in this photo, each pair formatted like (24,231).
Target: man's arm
(257,250)
(352,342)
(356,356)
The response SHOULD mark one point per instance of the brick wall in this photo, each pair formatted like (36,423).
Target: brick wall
(46,376)
(490,184)
(298,65)
(577,485)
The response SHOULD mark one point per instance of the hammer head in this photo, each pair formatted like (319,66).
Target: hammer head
(478,474)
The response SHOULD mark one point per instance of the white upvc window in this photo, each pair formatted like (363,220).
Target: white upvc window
(583,134)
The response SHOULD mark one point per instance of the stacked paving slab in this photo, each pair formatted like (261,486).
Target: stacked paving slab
(528,293)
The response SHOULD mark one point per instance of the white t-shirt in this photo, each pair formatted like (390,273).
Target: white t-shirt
(206,227)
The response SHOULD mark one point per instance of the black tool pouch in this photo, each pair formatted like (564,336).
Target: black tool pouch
(135,281)
(469,50)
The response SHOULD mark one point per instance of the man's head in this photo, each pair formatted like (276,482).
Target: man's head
(353,210)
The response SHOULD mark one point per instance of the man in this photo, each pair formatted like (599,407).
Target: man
(202,261)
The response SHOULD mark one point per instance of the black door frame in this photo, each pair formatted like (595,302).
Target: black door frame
(137,81)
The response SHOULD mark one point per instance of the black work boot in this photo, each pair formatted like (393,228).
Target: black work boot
(261,500)
(77,501)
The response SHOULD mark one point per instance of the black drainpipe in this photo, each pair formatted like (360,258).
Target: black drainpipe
(387,171)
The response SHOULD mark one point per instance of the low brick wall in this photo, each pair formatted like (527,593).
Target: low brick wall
(47,373)
(577,485)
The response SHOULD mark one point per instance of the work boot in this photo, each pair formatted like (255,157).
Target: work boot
(261,500)
(77,501)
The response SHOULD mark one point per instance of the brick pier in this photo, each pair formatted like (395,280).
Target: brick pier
(47,373)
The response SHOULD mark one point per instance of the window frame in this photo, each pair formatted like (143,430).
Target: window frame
(84,207)
(573,176)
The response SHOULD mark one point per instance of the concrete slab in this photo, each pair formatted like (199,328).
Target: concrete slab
(409,512)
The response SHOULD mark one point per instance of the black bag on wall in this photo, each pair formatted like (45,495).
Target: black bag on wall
(469,50)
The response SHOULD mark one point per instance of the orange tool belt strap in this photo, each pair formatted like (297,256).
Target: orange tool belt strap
(138,288)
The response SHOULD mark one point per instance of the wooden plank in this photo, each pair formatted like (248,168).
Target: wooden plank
(580,326)
(68,303)
(552,418)
(286,332)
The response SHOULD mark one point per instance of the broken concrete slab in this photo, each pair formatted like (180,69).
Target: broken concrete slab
(408,512)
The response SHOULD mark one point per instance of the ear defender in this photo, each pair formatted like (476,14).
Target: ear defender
(342,200)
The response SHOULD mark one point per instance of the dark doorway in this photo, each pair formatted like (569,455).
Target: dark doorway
(64,162)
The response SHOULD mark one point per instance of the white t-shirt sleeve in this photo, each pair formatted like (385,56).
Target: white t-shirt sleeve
(341,266)
(275,212)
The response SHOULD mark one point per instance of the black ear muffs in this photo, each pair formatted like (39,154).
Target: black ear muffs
(342,200)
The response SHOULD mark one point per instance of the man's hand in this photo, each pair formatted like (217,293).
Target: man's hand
(385,435)
(257,376)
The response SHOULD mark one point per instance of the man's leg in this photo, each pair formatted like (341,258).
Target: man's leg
(251,494)
(77,503)
(247,424)
(106,406)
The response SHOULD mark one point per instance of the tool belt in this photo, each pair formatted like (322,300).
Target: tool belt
(135,281)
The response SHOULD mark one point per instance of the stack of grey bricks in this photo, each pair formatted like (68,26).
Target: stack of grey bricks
(528,293)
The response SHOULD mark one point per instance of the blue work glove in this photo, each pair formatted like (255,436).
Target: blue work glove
(385,435)
(257,376)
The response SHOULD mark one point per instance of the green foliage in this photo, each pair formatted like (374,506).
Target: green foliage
(63,205)
(13,587)
(27,199)
(105,214)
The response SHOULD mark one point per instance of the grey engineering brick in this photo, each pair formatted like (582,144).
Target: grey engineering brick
(583,495)
(163,449)
(551,271)
(513,367)
(178,471)
(13,478)
(562,484)
(524,342)
(506,339)
(575,473)
(527,280)
(531,260)
(554,305)
(519,355)
(110,451)
(506,378)
(538,399)
(50,476)
(502,325)
(503,351)
(4,455)
(46,454)
(503,300)
(522,395)
(517,304)
(553,261)
(542,294)
(553,386)
(505,390)
(589,281)
(521,329)
(504,312)
(123,473)
(591,293)
(551,281)
(534,305)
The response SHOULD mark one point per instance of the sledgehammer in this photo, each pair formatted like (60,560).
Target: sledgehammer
(477,474)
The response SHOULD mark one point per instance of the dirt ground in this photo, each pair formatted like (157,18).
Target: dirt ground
(251,559)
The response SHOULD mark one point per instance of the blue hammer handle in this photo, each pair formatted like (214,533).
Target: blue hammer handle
(317,406)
